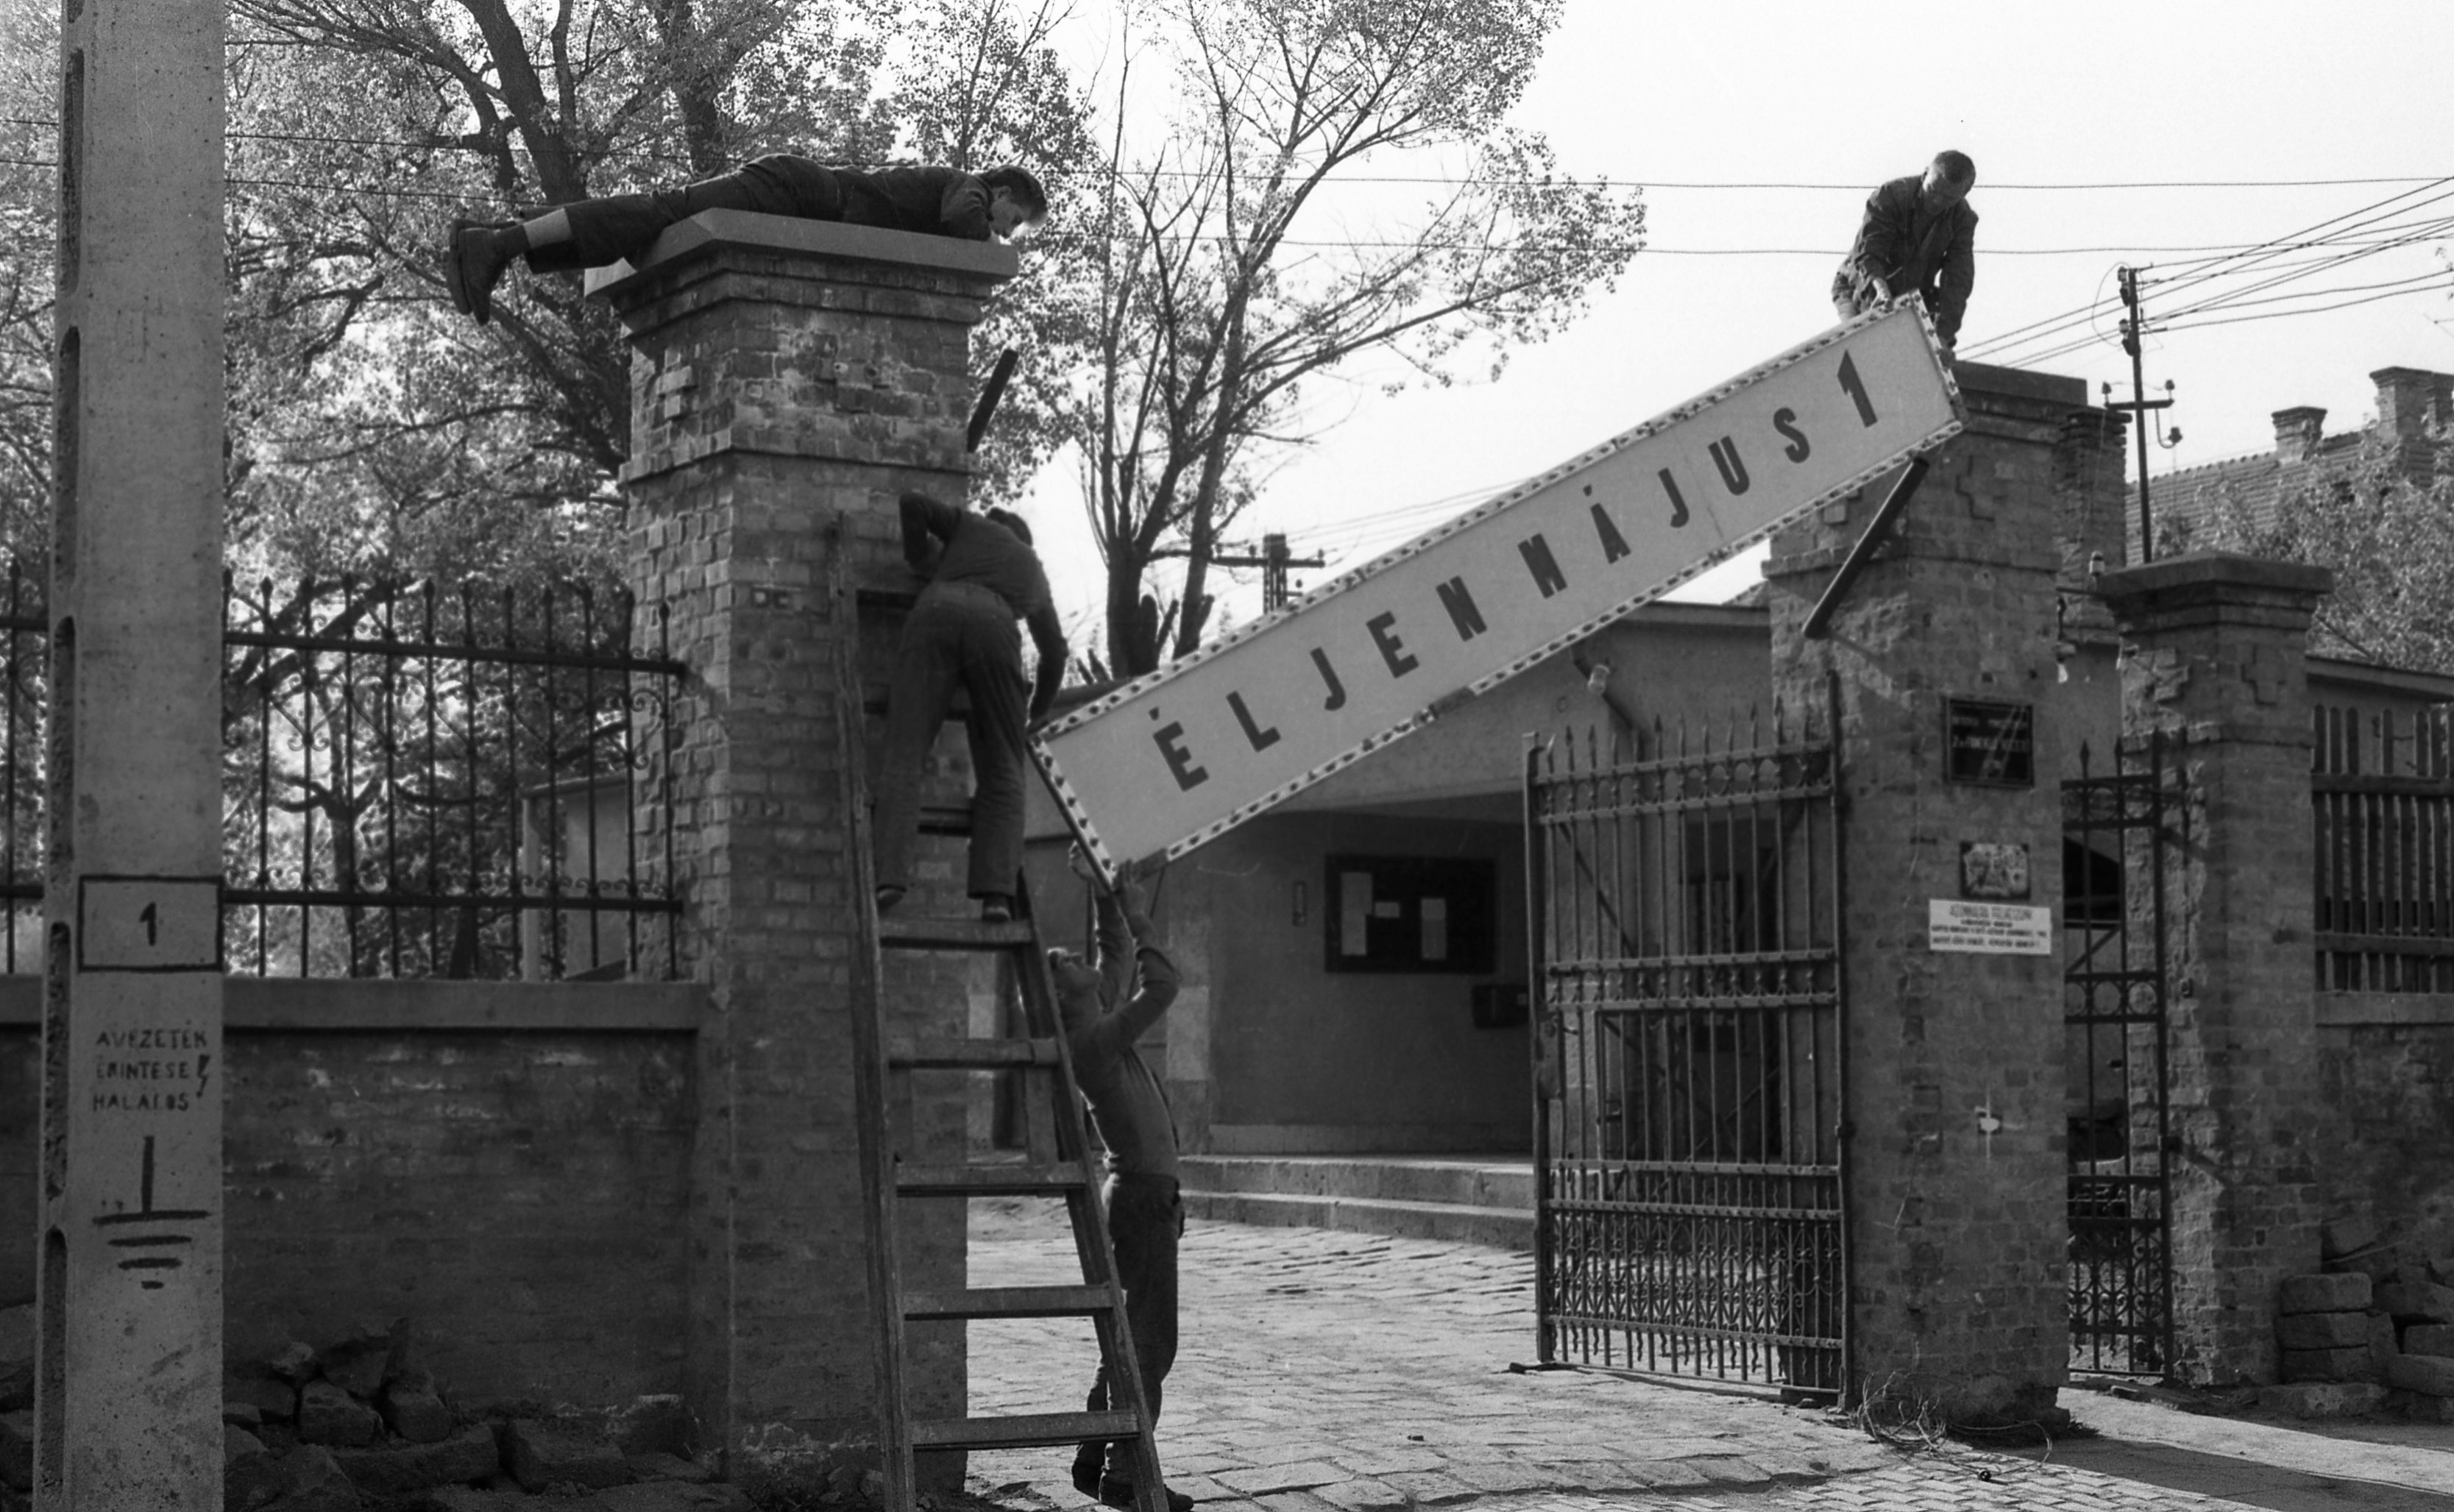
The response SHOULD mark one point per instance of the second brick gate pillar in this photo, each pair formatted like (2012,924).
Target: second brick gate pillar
(1940,660)
(2216,653)
(789,379)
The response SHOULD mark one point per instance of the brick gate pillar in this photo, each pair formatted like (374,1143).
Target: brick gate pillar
(1941,659)
(788,379)
(2214,651)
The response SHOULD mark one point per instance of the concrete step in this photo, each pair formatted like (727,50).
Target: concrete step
(1451,1223)
(1462,1180)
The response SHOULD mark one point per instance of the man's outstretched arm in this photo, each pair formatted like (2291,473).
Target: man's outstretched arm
(1884,233)
(1047,639)
(1959,277)
(1128,958)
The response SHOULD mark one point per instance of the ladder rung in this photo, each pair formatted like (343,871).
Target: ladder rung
(914,1052)
(917,932)
(1010,1301)
(945,821)
(992,1181)
(1023,1432)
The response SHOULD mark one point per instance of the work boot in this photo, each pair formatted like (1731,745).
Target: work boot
(995,908)
(471,264)
(1088,1461)
(1118,1491)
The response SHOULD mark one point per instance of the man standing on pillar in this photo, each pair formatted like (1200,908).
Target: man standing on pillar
(1919,237)
(1106,1005)
(983,576)
(593,232)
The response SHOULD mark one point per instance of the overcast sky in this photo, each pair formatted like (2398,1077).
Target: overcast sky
(2247,95)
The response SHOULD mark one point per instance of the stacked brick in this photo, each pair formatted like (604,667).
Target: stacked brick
(2322,1329)
(2374,1330)
(2417,1307)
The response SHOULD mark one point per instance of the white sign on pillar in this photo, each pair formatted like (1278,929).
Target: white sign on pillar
(1178,758)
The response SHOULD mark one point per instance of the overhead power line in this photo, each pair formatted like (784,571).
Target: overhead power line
(2338,236)
(1608,181)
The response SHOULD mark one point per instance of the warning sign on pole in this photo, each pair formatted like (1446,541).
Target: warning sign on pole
(1178,758)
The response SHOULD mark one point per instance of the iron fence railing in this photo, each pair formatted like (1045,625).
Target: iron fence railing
(416,782)
(423,783)
(2381,785)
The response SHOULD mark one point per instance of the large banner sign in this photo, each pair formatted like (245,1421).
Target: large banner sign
(1178,758)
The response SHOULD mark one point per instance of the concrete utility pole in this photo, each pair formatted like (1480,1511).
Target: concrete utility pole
(129,1340)
(2134,326)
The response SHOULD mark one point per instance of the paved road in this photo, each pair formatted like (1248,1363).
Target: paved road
(1331,1372)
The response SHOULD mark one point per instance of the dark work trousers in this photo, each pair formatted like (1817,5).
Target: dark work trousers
(621,226)
(960,636)
(1145,1220)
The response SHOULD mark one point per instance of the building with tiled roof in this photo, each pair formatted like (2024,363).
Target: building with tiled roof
(2414,425)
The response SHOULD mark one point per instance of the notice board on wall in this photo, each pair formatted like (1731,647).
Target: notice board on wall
(1412,914)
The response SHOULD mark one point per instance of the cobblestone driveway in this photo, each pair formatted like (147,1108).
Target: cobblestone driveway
(1325,1370)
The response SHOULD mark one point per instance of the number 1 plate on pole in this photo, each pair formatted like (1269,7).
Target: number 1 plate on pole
(1178,758)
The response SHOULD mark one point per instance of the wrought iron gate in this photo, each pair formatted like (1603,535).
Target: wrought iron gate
(1687,1060)
(2118,826)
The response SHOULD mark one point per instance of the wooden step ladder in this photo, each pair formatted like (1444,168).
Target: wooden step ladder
(1056,1162)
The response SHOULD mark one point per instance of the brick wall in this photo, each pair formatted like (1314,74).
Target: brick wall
(517,1197)
(2386,1145)
(515,1189)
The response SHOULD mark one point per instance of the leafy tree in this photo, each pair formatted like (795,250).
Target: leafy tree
(2383,518)
(379,443)
(1225,280)
(375,431)
(29,43)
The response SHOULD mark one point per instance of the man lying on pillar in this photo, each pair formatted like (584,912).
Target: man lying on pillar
(1106,1005)
(593,232)
(984,575)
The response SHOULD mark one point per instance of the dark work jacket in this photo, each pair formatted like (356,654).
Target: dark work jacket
(935,201)
(1902,248)
(952,546)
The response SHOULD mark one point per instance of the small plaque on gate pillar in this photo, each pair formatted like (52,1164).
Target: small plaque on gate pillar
(1989,743)
(149,924)
(1992,869)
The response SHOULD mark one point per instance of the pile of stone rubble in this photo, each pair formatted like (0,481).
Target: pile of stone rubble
(2372,1332)
(355,1427)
